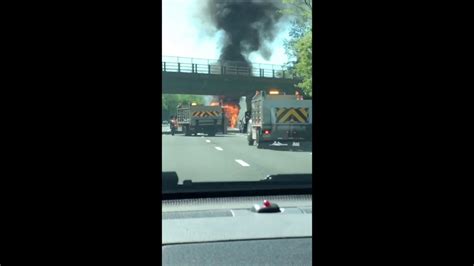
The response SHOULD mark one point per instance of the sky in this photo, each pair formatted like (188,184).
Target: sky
(183,35)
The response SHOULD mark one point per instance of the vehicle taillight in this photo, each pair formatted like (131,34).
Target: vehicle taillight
(266,132)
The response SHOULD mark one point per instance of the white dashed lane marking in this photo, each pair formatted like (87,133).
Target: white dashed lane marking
(208,141)
(219,148)
(242,163)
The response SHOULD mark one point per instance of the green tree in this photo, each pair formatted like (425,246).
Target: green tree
(299,45)
(304,66)
(300,10)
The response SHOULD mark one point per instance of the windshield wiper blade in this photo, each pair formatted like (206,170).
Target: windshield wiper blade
(293,178)
(171,179)
(170,184)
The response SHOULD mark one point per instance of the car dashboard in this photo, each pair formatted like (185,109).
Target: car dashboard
(229,231)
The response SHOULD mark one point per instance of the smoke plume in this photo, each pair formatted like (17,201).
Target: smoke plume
(248,26)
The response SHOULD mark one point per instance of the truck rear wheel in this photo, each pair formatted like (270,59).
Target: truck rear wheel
(250,140)
(212,133)
(259,142)
(186,130)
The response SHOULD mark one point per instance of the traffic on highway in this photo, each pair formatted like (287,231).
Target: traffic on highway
(275,137)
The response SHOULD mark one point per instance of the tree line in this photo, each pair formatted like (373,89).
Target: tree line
(299,46)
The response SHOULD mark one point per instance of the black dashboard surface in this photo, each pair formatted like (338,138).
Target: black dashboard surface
(290,251)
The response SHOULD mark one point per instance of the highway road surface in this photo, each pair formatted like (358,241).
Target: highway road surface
(228,158)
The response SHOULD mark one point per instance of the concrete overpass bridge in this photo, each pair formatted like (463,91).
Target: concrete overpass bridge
(209,77)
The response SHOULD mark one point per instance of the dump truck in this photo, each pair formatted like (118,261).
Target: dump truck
(194,119)
(280,120)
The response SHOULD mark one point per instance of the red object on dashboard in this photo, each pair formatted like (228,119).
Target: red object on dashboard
(266,203)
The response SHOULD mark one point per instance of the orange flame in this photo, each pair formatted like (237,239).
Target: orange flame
(232,113)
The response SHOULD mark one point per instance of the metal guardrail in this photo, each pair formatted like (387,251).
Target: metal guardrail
(214,67)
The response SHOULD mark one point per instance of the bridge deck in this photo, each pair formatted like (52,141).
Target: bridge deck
(214,67)
(211,77)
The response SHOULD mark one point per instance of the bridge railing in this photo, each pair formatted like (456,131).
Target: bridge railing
(214,67)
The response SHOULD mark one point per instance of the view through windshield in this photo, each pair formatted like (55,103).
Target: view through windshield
(236,89)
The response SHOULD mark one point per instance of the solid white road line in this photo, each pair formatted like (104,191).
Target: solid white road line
(208,141)
(219,148)
(242,163)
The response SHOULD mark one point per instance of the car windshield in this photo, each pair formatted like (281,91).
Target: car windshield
(236,89)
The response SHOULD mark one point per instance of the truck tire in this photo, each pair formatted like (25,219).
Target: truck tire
(186,130)
(211,133)
(250,140)
(259,142)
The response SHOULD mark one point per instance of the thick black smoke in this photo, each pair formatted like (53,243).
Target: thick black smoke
(249,26)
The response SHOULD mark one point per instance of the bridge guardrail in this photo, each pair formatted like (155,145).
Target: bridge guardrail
(213,67)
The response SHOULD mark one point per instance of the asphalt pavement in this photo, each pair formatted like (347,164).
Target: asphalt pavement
(228,158)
